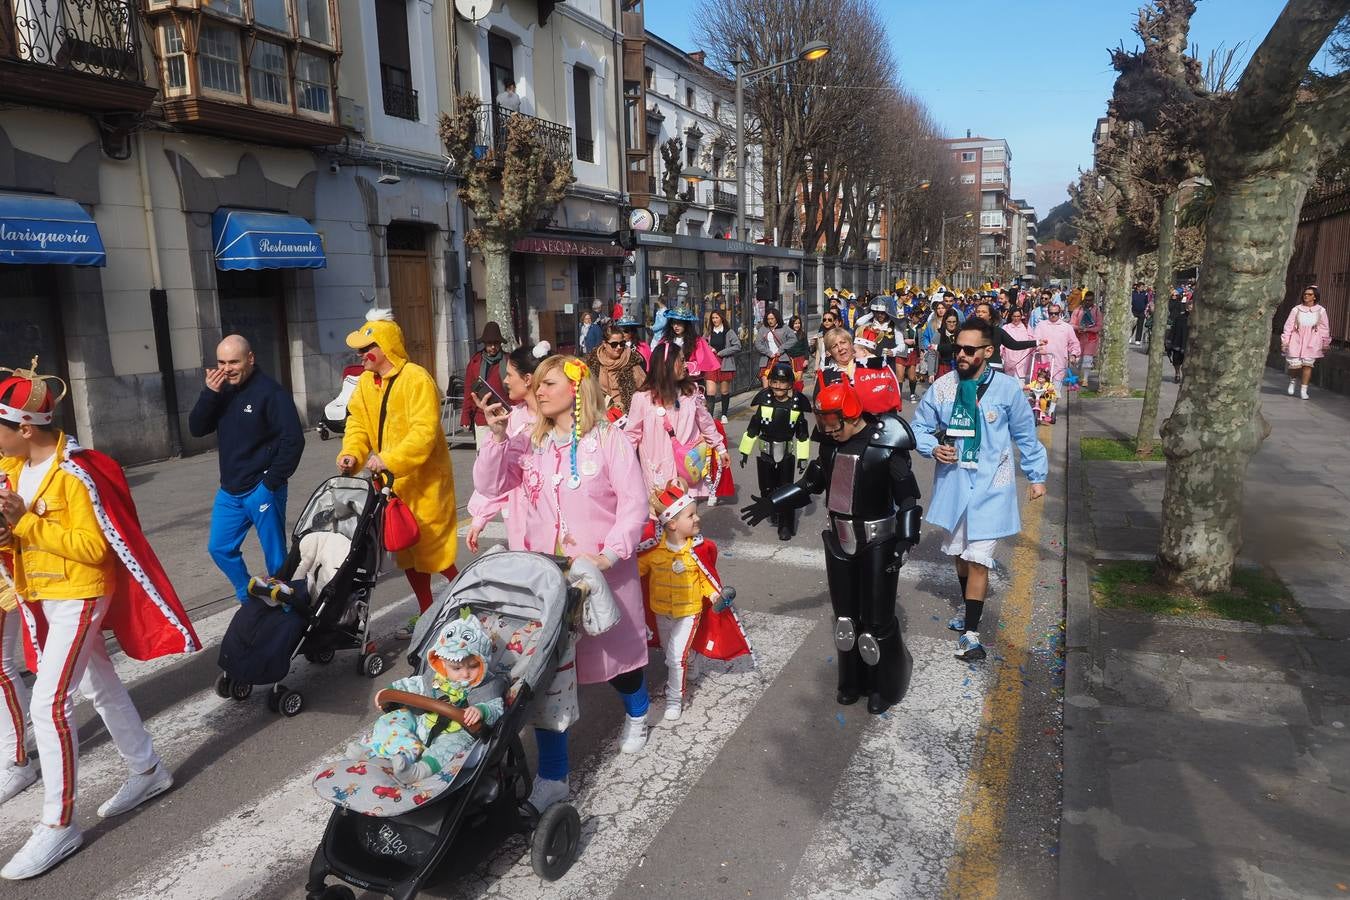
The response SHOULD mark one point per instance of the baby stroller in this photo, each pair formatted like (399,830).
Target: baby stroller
(262,640)
(1042,363)
(335,413)
(388,837)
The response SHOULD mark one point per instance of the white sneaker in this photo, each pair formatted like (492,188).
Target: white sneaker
(16,780)
(674,706)
(46,848)
(724,420)
(1292,384)
(137,790)
(1304,393)
(546,792)
(634,735)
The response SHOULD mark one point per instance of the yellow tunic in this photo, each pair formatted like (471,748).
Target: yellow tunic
(672,581)
(413,449)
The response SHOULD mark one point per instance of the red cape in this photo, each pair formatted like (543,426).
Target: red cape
(144,612)
(719,633)
(723,484)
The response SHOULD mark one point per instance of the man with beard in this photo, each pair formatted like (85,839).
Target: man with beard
(968,422)
(863,467)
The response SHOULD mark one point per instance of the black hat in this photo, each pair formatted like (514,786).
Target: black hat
(781,371)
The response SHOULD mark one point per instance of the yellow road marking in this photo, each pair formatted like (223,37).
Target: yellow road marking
(974,869)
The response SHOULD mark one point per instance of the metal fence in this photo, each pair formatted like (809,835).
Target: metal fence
(96,37)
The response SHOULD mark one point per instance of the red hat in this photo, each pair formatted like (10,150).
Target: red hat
(671,501)
(26,397)
(839,399)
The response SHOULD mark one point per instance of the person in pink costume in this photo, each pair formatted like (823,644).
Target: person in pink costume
(1306,336)
(1087,327)
(577,491)
(1017,363)
(667,420)
(519,382)
(1056,337)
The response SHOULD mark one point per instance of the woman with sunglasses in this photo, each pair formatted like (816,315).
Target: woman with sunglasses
(828,321)
(946,342)
(727,345)
(1306,336)
(619,368)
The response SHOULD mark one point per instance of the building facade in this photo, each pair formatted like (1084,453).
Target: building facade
(984,171)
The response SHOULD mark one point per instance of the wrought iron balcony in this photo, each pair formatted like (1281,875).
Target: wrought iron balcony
(91,46)
(400,101)
(494,125)
(723,199)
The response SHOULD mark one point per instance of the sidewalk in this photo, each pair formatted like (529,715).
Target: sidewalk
(1204,758)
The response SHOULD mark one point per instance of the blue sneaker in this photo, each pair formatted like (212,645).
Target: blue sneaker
(957,623)
(970,647)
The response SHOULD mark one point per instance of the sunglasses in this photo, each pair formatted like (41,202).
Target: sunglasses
(968,350)
(614,345)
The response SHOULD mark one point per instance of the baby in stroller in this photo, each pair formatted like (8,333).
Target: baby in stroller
(421,745)
(322,553)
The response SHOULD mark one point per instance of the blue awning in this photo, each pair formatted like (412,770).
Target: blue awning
(259,240)
(48,230)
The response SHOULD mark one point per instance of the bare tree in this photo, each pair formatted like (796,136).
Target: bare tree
(677,201)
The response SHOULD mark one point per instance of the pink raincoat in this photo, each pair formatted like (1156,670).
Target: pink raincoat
(483,508)
(1307,332)
(646,428)
(1089,334)
(1060,342)
(1017,363)
(605,513)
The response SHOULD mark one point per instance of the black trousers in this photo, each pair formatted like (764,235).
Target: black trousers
(773,475)
(1138,334)
(863,590)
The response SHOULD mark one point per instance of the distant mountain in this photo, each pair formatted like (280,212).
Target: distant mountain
(1058,224)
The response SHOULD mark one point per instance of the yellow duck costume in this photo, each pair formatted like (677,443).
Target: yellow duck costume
(413,446)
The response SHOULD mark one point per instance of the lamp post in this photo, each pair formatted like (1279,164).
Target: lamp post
(812,51)
(942,240)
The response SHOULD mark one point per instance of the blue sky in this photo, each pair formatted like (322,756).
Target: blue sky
(1033,72)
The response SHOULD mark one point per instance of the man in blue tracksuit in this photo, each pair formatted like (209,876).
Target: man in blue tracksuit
(260,441)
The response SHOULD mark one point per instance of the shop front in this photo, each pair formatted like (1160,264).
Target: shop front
(557,279)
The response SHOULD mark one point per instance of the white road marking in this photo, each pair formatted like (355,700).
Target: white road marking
(624,802)
(890,829)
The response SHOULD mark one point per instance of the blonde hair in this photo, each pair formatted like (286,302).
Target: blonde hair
(588,412)
(834,334)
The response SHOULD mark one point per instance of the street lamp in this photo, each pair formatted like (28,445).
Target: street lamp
(942,239)
(812,51)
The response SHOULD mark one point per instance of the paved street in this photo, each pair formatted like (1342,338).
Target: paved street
(765,788)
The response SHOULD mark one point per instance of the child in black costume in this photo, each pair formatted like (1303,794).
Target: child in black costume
(778,417)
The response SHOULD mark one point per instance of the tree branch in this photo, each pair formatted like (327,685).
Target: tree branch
(1329,116)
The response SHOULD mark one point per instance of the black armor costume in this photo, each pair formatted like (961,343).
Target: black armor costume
(873,499)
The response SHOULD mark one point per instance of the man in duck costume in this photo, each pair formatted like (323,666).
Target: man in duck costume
(76,564)
(394,427)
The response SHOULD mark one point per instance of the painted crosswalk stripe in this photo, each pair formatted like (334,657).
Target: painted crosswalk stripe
(624,801)
(890,829)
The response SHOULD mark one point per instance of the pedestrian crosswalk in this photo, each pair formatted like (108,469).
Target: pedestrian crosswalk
(887,829)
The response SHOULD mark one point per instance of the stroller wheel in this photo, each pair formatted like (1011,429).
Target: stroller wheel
(557,839)
(321,656)
(223,686)
(240,691)
(324,433)
(372,665)
(290,703)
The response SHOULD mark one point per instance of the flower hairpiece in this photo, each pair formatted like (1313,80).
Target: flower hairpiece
(541,349)
(575,370)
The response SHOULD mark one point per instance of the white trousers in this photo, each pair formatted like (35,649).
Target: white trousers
(74,654)
(13,692)
(677,636)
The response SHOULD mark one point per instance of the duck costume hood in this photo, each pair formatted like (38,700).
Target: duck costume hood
(381,329)
(458,641)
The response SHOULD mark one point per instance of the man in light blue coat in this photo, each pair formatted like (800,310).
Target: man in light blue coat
(969,422)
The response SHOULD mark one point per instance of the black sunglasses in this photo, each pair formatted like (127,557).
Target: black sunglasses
(614,345)
(968,350)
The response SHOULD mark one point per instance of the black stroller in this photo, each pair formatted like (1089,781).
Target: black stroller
(263,640)
(388,837)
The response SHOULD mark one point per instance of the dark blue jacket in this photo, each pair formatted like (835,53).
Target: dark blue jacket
(1138,302)
(260,438)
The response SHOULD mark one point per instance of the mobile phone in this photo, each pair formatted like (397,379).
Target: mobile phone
(481,387)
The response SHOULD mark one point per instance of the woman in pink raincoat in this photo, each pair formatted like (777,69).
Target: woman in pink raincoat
(673,431)
(1087,327)
(576,484)
(1306,336)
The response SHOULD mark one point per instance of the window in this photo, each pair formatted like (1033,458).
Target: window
(968,179)
(312,83)
(649,78)
(391,21)
(717,110)
(581,94)
(313,20)
(689,97)
(272,14)
(690,153)
(175,59)
(967,156)
(268,74)
(993,154)
(501,62)
(994,176)
(991,219)
(232,8)
(219,59)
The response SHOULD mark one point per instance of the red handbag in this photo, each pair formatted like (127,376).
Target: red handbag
(401,530)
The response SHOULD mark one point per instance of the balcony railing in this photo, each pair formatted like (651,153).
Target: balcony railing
(400,101)
(494,127)
(723,199)
(93,37)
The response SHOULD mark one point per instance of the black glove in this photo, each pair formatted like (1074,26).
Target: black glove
(743,460)
(758,511)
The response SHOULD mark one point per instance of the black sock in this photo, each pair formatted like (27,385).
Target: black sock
(973,610)
(726,403)
(711,401)
(962,579)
